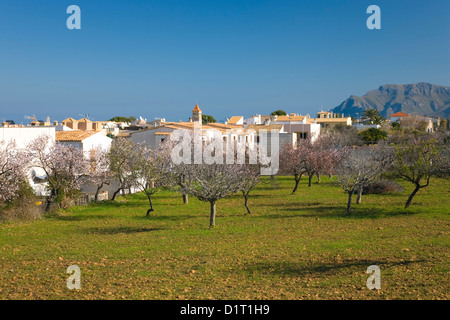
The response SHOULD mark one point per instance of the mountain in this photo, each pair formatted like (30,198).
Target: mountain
(418,98)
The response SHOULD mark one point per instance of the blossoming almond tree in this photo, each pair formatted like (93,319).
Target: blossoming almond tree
(123,157)
(99,172)
(151,171)
(208,180)
(360,167)
(13,169)
(212,182)
(250,176)
(291,162)
(310,158)
(420,159)
(64,166)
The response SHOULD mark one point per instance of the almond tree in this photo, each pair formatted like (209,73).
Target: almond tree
(310,158)
(250,172)
(291,162)
(123,157)
(419,160)
(211,182)
(319,157)
(151,171)
(250,176)
(64,166)
(13,169)
(358,168)
(99,172)
(174,177)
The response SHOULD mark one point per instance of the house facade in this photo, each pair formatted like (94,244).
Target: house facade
(229,132)
(85,140)
(24,135)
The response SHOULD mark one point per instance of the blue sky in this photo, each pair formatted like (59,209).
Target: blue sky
(156,58)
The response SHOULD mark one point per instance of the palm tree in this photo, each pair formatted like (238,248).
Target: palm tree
(372,116)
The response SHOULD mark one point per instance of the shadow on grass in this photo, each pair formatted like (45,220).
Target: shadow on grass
(154,216)
(312,210)
(299,269)
(118,230)
(109,204)
(81,217)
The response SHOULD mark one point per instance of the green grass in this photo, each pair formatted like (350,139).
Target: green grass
(299,246)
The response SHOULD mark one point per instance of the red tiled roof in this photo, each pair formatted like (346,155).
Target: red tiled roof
(73,135)
(234,119)
(399,114)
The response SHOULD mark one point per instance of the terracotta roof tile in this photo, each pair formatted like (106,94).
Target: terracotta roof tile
(290,118)
(258,127)
(399,114)
(234,119)
(70,120)
(76,135)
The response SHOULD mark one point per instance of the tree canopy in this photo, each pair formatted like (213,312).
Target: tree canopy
(129,119)
(372,116)
(208,119)
(373,135)
(279,113)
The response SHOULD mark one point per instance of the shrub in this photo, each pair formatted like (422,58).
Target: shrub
(383,186)
(373,135)
(23,208)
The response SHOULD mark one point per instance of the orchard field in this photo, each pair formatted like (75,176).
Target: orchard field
(299,246)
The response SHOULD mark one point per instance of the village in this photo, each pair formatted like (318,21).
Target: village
(88,135)
(224,158)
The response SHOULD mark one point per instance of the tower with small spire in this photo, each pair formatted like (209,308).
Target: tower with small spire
(197,114)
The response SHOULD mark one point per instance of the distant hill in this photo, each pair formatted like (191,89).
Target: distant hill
(418,98)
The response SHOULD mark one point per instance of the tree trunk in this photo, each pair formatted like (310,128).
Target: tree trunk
(212,218)
(246,201)
(115,194)
(310,179)
(408,203)
(318,177)
(97,192)
(349,203)
(149,196)
(297,180)
(50,200)
(185,198)
(358,199)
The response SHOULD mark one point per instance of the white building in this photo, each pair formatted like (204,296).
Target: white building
(24,135)
(85,140)
(300,126)
(360,126)
(230,132)
(236,120)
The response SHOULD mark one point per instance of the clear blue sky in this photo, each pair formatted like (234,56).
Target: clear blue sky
(155,58)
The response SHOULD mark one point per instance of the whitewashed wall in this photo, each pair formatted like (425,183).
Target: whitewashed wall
(23,136)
